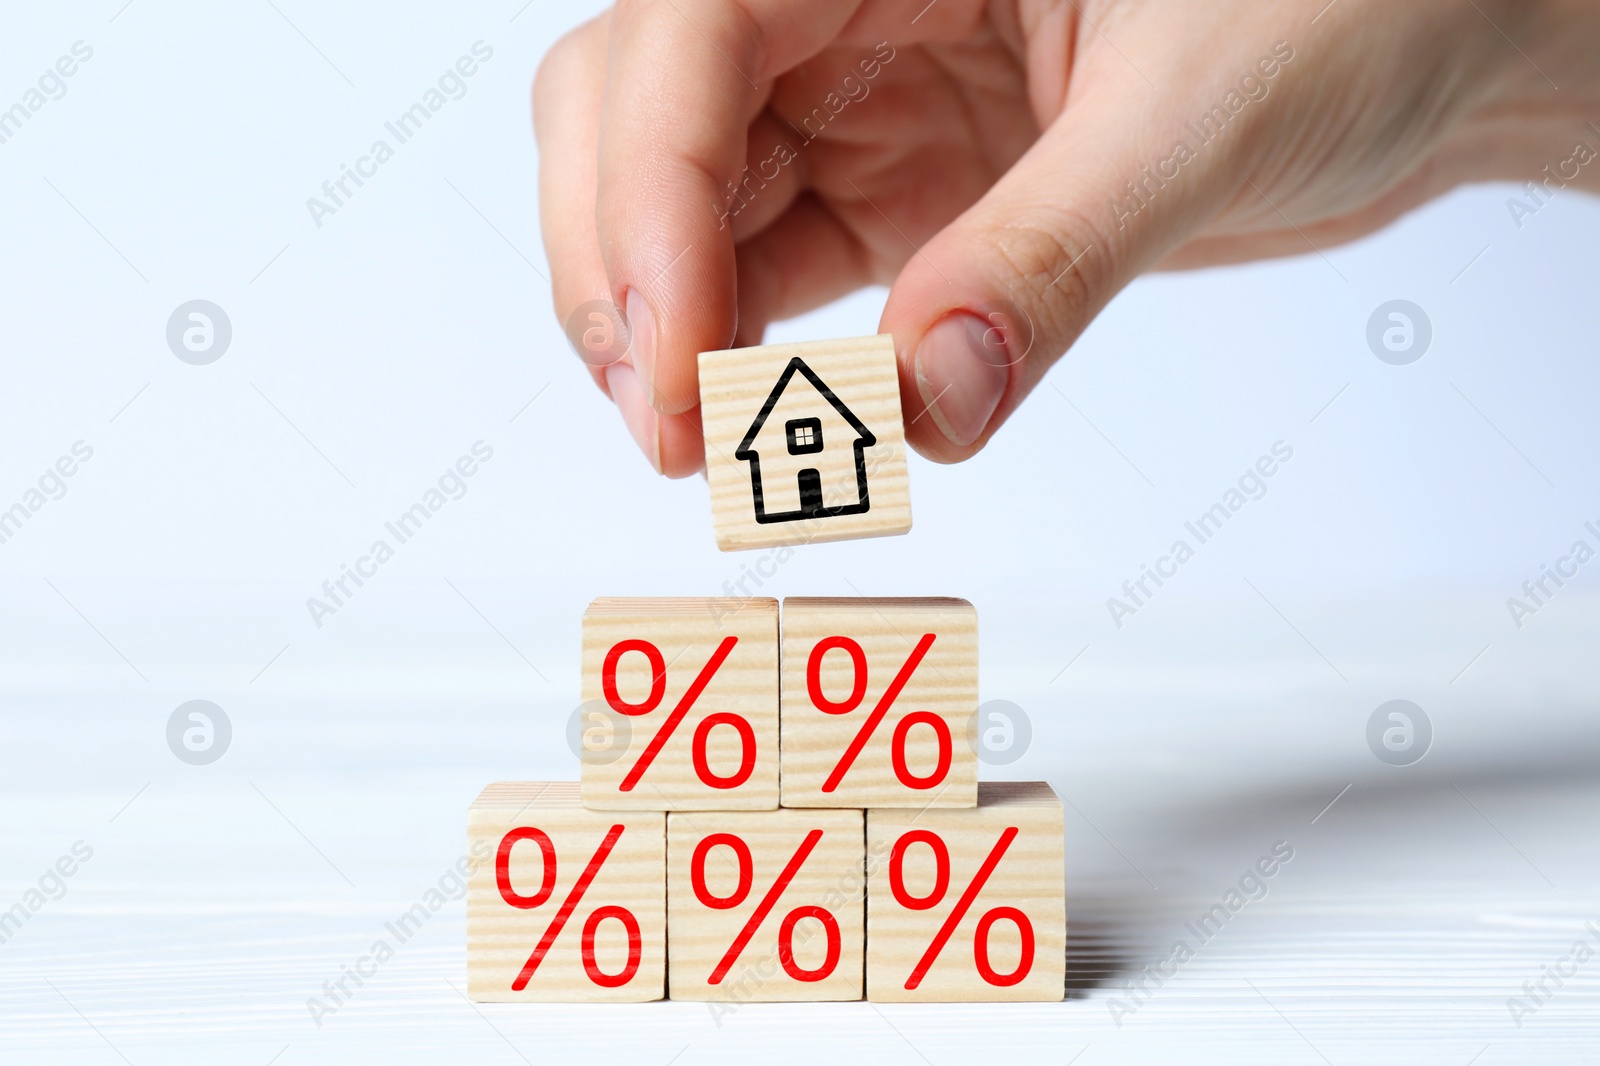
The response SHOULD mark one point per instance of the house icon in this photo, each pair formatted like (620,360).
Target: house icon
(805,451)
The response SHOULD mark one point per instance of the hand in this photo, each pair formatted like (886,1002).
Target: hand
(715,165)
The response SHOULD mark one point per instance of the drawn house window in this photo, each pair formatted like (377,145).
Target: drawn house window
(805,435)
(807,452)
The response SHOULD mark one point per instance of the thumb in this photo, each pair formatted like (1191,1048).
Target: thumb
(984,309)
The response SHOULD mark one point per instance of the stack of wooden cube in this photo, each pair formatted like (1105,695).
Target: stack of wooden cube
(771,812)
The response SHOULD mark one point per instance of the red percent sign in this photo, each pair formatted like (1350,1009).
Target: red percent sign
(658,691)
(547,884)
(858,693)
(941,883)
(741,892)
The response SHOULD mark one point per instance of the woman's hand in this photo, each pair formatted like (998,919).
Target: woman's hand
(1008,166)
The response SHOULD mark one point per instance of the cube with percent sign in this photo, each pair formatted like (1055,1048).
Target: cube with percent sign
(765,905)
(968,905)
(573,906)
(681,700)
(878,699)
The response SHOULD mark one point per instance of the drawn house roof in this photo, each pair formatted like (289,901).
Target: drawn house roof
(864,436)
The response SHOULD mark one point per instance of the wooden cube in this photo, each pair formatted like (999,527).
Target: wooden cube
(565,904)
(804,442)
(765,905)
(878,698)
(689,690)
(966,905)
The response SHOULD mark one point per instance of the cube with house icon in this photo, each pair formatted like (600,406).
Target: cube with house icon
(804,442)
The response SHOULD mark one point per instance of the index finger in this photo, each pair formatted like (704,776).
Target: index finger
(685,79)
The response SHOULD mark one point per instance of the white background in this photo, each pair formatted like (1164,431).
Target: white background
(368,354)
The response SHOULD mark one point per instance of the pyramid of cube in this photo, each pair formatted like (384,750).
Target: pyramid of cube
(773,805)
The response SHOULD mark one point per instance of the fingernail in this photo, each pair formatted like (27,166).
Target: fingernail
(642,341)
(642,420)
(959,380)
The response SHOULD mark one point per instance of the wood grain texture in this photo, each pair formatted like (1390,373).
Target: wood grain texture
(1028,877)
(736,384)
(688,633)
(830,877)
(944,683)
(501,937)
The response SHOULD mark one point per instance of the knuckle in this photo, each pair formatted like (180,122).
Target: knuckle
(729,28)
(1059,260)
(572,58)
